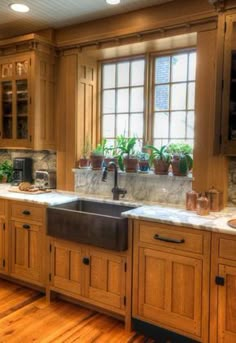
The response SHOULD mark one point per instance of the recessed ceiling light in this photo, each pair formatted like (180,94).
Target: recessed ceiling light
(112,2)
(19,8)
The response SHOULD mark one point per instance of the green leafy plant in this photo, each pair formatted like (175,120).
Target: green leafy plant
(100,148)
(86,149)
(6,170)
(126,148)
(181,152)
(159,154)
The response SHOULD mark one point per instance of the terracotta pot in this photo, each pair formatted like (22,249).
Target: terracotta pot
(175,162)
(161,167)
(107,160)
(143,166)
(96,161)
(130,164)
(83,163)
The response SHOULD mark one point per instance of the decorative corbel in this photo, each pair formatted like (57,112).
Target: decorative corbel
(218,4)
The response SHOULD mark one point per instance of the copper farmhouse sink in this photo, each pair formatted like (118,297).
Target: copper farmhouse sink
(90,222)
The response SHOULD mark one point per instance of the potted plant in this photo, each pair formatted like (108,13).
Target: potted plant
(84,161)
(97,155)
(182,160)
(160,158)
(143,161)
(111,155)
(6,171)
(127,158)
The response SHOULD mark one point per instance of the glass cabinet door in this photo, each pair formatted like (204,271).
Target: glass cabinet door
(7,109)
(22,109)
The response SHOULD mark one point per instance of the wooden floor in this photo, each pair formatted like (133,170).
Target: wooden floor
(26,317)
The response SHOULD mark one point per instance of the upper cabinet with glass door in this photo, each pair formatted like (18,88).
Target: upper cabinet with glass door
(15,101)
(27,92)
(229,90)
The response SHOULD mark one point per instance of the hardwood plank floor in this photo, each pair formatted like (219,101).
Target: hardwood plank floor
(25,317)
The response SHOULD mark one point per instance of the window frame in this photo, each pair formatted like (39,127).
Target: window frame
(149,87)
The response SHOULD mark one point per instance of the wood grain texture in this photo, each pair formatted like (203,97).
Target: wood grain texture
(25,316)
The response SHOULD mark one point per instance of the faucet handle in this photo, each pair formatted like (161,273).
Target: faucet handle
(123,192)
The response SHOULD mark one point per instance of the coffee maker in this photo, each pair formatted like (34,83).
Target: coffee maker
(22,170)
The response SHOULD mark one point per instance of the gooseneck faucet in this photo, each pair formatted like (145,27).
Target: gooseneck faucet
(115,190)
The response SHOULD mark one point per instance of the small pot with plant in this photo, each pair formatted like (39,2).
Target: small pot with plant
(111,155)
(84,161)
(182,160)
(97,156)
(143,162)
(6,171)
(127,158)
(160,158)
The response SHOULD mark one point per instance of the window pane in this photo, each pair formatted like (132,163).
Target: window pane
(161,125)
(161,98)
(123,100)
(190,124)
(122,124)
(162,70)
(178,96)
(177,125)
(137,104)
(108,128)
(108,101)
(191,95)
(109,72)
(136,125)
(159,142)
(137,73)
(192,66)
(179,68)
(123,74)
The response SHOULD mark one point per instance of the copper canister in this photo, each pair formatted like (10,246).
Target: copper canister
(215,199)
(191,200)
(203,205)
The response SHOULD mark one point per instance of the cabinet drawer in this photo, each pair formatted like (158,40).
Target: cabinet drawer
(227,248)
(2,207)
(27,211)
(172,237)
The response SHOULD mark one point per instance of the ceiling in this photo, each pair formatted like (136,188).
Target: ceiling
(59,13)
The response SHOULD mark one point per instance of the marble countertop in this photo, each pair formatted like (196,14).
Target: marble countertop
(215,221)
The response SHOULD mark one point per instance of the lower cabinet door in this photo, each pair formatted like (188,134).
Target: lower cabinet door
(66,266)
(105,278)
(169,290)
(26,255)
(227,305)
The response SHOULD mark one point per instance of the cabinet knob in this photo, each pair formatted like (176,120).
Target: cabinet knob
(86,261)
(26,226)
(26,212)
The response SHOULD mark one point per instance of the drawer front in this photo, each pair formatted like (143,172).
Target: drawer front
(26,211)
(2,207)
(227,248)
(171,237)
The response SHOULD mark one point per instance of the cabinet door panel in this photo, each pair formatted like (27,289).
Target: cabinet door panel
(227,305)
(170,289)
(26,250)
(66,264)
(105,278)
(2,245)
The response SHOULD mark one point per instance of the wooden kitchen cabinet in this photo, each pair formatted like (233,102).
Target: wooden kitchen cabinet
(27,93)
(92,275)
(3,238)
(223,289)
(27,237)
(171,278)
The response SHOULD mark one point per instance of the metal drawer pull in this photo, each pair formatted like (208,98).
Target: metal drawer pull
(167,239)
(26,212)
(26,226)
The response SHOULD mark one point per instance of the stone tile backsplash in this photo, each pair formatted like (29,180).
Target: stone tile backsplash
(140,187)
(41,159)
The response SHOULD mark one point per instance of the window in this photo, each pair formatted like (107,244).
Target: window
(171,91)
